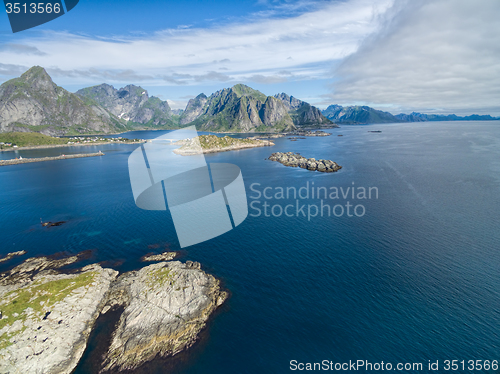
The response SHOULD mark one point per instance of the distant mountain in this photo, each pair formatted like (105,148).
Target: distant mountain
(194,109)
(241,108)
(34,103)
(177,112)
(131,103)
(419,117)
(365,114)
(358,114)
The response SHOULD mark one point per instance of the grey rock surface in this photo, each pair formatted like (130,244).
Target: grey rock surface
(165,256)
(302,113)
(11,255)
(46,315)
(130,103)
(166,306)
(194,109)
(47,318)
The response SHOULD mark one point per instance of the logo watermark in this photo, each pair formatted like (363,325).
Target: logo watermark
(25,14)
(205,200)
(321,201)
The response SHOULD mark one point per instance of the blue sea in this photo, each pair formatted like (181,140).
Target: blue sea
(412,279)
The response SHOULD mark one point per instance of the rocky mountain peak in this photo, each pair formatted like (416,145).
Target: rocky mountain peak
(36,73)
(131,103)
(194,109)
(243,90)
(290,102)
(36,78)
(133,90)
(33,102)
(242,108)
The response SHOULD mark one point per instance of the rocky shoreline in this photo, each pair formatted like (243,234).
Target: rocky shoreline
(42,159)
(47,314)
(11,255)
(296,160)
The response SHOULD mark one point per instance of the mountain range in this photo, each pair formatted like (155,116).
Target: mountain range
(132,104)
(419,117)
(357,114)
(34,103)
(365,114)
(241,108)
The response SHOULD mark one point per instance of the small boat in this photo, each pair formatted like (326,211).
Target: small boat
(51,224)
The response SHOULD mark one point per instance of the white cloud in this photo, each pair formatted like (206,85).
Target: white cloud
(21,49)
(176,104)
(432,56)
(304,44)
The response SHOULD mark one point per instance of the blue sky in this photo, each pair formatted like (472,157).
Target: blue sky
(397,55)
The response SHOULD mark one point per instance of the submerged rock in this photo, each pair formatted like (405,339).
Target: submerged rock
(296,160)
(165,256)
(12,254)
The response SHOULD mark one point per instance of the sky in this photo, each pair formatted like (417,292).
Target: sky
(440,56)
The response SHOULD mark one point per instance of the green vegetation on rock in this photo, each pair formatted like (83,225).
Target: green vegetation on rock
(24,139)
(212,141)
(160,277)
(39,297)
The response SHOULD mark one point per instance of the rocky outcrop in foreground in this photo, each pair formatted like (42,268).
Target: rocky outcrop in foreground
(296,160)
(47,315)
(166,305)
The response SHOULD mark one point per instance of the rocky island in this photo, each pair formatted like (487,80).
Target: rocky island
(47,313)
(298,133)
(296,160)
(213,143)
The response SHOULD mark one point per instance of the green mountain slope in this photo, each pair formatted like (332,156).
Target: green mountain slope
(241,108)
